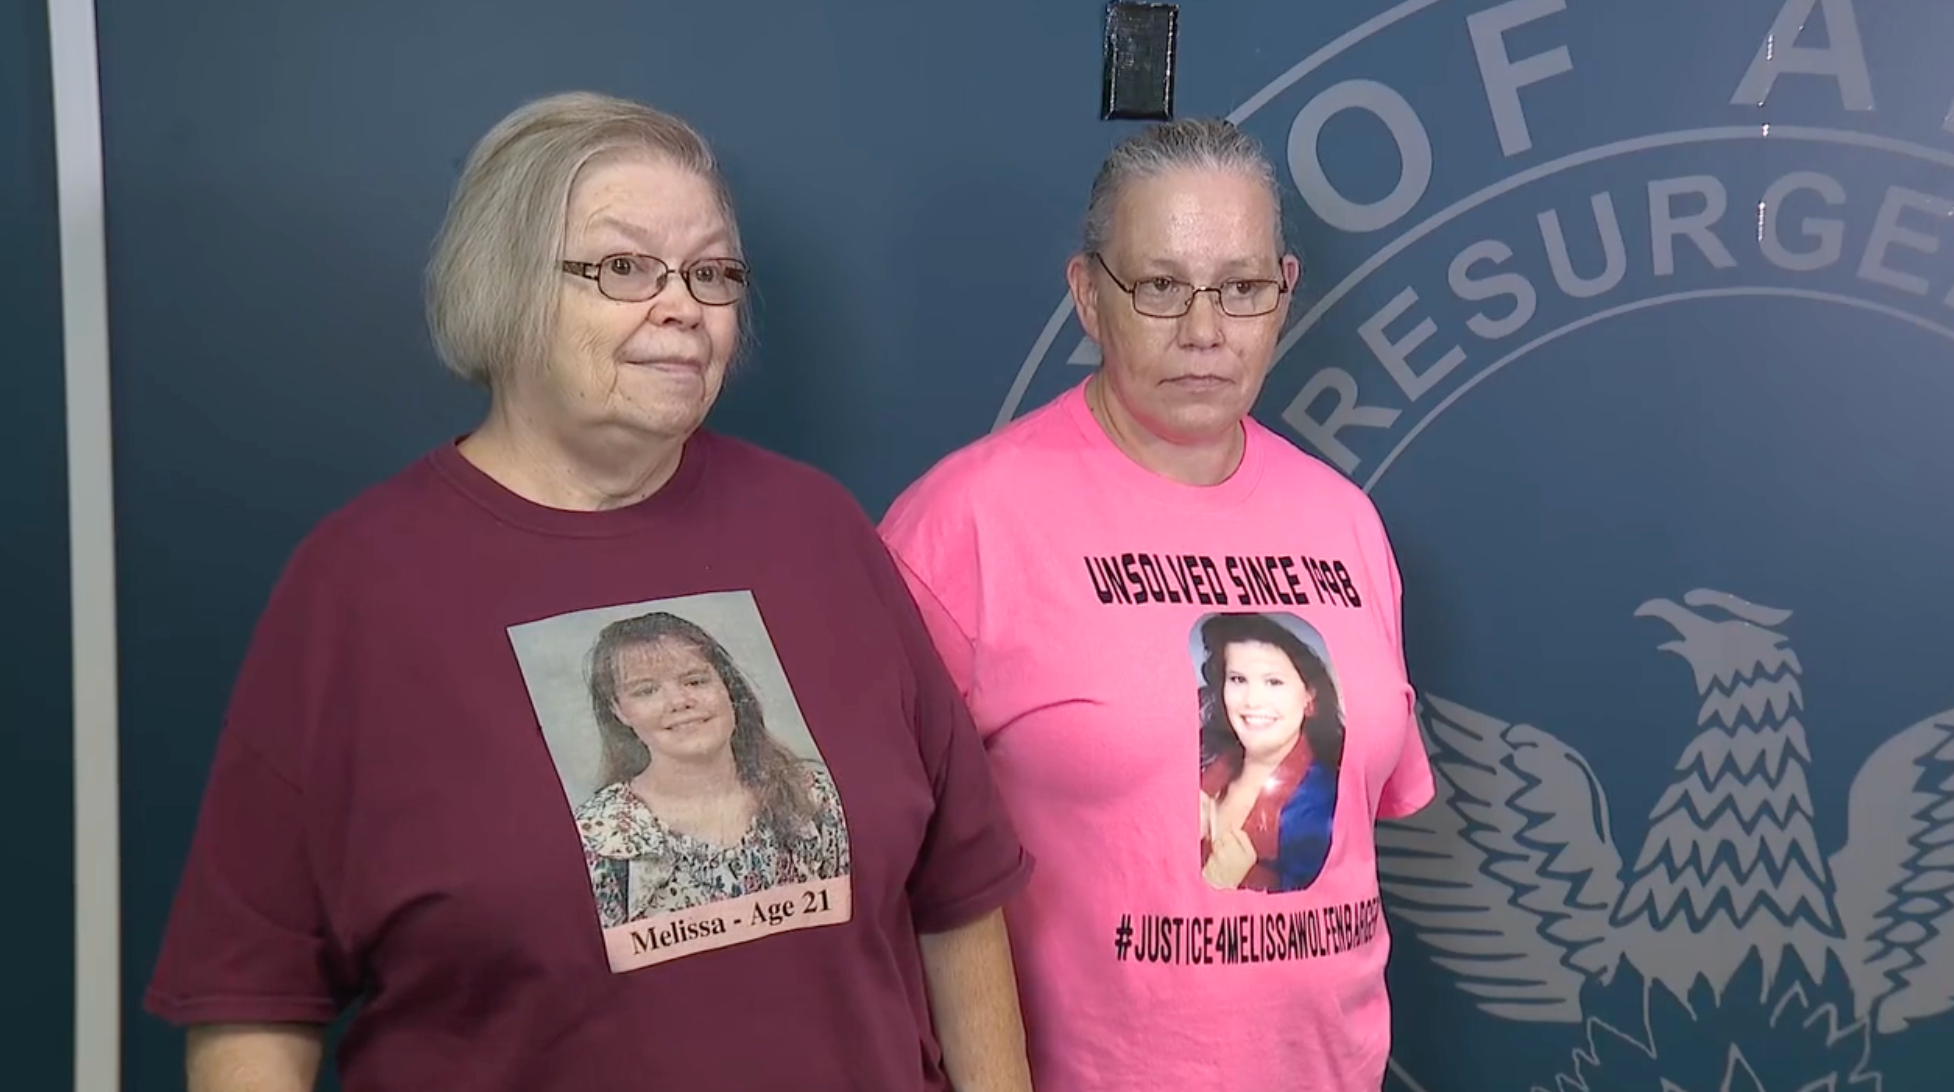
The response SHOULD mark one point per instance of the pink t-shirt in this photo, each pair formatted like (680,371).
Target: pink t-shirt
(1196,705)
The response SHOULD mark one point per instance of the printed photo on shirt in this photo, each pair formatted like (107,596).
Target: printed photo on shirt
(707,815)
(1271,746)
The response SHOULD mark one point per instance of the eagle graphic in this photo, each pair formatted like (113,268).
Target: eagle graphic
(1514,878)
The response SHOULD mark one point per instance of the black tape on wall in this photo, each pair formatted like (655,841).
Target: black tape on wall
(1138,79)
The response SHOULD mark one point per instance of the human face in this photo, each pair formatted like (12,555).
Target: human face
(1265,699)
(1188,380)
(652,369)
(669,694)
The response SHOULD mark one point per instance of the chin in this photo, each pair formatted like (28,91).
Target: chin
(696,752)
(661,422)
(1268,749)
(1202,420)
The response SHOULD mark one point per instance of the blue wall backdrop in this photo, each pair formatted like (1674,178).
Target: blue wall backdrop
(1635,318)
(34,652)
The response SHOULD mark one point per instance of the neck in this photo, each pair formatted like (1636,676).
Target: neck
(612,469)
(1198,462)
(705,779)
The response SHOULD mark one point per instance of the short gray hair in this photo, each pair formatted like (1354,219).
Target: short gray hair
(1184,143)
(492,282)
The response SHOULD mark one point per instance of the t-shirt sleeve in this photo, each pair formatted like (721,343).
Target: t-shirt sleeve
(1409,786)
(247,937)
(971,861)
(936,555)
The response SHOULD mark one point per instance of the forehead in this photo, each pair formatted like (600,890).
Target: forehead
(1258,654)
(1190,217)
(645,203)
(664,656)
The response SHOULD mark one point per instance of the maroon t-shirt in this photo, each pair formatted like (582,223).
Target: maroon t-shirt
(437,792)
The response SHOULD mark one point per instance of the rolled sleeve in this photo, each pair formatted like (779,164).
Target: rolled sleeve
(246,940)
(972,861)
(1409,787)
(249,939)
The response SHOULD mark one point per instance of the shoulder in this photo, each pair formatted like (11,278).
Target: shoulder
(1303,479)
(1300,482)
(366,531)
(816,523)
(796,506)
(601,803)
(745,473)
(1292,468)
(757,467)
(335,566)
(991,471)
(614,824)
(822,783)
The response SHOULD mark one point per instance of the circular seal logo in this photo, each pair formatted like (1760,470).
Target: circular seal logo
(1637,322)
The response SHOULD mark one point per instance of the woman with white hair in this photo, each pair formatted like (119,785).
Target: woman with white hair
(386,823)
(1220,835)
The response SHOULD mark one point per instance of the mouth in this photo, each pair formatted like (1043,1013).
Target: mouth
(1201,382)
(682,726)
(1258,722)
(676,365)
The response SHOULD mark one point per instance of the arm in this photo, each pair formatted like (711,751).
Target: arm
(254,1057)
(1409,787)
(250,965)
(973,993)
(972,862)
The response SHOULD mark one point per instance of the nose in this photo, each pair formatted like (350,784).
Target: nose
(676,699)
(1200,328)
(674,304)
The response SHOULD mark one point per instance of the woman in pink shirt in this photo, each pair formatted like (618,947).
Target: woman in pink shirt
(1195,924)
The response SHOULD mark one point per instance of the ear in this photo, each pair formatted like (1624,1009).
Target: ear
(1085,293)
(1292,275)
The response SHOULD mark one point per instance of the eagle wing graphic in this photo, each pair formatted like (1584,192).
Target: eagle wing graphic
(1895,877)
(1512,874)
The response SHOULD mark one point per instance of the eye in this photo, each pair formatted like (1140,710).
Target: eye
(623,265)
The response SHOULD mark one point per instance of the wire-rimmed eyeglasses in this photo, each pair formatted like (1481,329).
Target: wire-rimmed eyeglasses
(635,278)
(1165,297)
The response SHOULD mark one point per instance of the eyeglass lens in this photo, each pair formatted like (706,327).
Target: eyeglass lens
(634,278)
(1163,297)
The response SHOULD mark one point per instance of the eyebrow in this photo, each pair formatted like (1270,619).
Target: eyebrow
(717,239)
(1239,267)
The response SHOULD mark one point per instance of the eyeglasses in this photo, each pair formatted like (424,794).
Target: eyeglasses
(1165,297)
(635,278)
